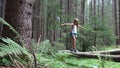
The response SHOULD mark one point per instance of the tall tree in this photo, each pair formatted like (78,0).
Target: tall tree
(2,13)
(102,10)
(98,8)
(119,18)
(19,15)
(116,22)
(94,22)
(82,11)
(82,20)
(37,10)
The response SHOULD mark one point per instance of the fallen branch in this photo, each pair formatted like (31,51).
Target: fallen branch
(114,55)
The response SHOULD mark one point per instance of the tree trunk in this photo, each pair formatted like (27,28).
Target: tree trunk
(82,11)
(19,15)
(110,54)
(2,13)
(118,21)
(36,20)
(115,21)
(98,8)
(94,22)
(82,21)
(61,17)
(102,10)
(72,9)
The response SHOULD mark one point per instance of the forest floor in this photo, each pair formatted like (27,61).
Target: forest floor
(75,62)
(69,60)
(92,63)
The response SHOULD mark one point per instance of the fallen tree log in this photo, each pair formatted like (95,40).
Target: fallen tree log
(111,52)
(113,55)
(98,55)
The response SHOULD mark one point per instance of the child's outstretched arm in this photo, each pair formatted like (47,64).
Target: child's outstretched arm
(66,24)
(81,27)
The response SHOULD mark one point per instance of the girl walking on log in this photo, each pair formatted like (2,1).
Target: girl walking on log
(73,31)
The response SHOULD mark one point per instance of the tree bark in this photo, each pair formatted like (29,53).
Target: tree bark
(19,15)
(82,21)
(94,22)
(110,54)
(102,10)
(115,21)
(2,13)
(36,19)
(119,20)
(98,8)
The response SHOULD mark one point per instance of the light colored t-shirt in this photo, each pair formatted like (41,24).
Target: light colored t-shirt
(74,29)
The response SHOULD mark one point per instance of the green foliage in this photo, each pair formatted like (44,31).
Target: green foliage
(96,34)
(44,47)
(66,60)
(10,47)
(61,56)
(52,11)
(43,61)
(58,46)
(57,60)
(15,53)
(4,61)
(92,63)
(10,27)
(45,52)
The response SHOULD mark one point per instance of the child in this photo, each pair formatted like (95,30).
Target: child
(73,31)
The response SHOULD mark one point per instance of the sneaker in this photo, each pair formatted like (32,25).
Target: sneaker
(75,50)
(71,49)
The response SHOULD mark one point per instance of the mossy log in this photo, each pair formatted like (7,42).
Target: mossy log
(113,55)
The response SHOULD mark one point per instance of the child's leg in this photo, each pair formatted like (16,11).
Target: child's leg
(74,42)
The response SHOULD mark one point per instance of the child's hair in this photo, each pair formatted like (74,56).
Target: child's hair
(75,22)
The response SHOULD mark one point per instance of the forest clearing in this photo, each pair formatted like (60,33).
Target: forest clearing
(59,33)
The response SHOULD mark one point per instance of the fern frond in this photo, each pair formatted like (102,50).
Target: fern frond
(60,56)
(10,27)
(12,48)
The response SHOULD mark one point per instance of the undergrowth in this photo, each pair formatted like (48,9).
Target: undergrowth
(45,54)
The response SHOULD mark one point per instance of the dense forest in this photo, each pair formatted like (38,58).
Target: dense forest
(31,35)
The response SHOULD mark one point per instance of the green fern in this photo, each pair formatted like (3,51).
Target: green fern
(8,47)
(44,47)
(60,56)
(10,27)
(12,48)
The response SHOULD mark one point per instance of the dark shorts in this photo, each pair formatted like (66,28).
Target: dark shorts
(74,34)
